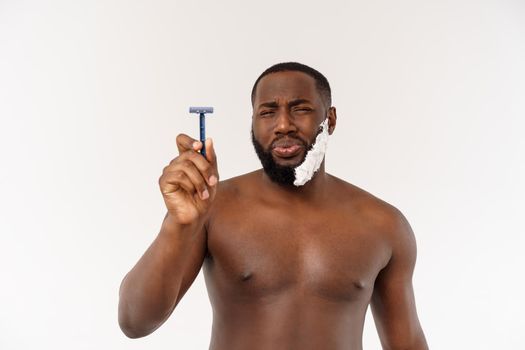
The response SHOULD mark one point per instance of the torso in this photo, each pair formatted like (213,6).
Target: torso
(299,276)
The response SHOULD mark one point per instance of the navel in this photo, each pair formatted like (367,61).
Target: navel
(246,276)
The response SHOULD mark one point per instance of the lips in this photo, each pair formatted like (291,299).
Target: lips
(287,148)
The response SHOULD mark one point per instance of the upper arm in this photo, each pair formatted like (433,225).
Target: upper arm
(393,302)
(151,290)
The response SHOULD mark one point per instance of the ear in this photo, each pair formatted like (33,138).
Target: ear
(332,119)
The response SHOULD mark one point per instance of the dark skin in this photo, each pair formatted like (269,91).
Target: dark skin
(286,267)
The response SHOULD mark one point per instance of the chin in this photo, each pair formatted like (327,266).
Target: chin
(291,163)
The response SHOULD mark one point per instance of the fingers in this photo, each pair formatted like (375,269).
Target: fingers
(211,156)
(194,159)
(189,179)
(186,143)
(189,147)
(191,171)
(171,181)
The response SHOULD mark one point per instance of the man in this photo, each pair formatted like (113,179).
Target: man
(292,256)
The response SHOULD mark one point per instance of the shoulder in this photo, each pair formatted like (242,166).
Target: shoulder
(377,214)
(231,191)
(235,185)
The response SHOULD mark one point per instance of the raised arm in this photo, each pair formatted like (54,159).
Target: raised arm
(155,285)
(393,304)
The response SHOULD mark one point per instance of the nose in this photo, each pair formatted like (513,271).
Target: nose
(285,123)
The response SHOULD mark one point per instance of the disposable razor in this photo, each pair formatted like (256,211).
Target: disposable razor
(201,111)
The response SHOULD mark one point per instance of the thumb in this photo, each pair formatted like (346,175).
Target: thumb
(211,156)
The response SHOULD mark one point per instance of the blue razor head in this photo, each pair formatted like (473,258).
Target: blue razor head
(200,110)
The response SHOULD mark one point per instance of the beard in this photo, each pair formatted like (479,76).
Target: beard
(283,175)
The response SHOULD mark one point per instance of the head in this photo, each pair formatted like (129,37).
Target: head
(290,101)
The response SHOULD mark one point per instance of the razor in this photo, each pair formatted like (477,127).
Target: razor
(202,111)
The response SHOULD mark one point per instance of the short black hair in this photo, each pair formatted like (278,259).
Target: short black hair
(321,83)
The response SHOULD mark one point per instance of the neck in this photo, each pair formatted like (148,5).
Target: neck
(313,189)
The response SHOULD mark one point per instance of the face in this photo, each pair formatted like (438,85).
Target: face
(287,113)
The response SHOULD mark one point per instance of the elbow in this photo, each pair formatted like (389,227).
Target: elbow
(137,318)
(130,326)
(130,332)
(136,325)
(127,319)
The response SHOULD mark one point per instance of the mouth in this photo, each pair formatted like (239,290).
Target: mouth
(287,151)
(287,148)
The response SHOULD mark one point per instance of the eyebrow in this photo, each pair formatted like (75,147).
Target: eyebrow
(292,103)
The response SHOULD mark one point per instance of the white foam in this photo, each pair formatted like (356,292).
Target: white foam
(306,170)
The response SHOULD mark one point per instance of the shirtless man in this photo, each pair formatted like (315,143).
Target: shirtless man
(286,266)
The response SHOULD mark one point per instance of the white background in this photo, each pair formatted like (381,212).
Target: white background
(430,97)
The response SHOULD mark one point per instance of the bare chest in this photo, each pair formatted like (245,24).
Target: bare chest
(259,254)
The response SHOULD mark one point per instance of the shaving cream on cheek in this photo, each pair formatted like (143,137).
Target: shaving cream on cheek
(306,170)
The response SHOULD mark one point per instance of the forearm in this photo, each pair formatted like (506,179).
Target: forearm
(149,291)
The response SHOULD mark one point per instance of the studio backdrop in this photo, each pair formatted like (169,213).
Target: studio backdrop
(430,103)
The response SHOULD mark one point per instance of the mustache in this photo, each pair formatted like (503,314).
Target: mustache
(290,140)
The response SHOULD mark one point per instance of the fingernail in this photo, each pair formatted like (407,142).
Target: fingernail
(212,180)
(205,194)
(196,144)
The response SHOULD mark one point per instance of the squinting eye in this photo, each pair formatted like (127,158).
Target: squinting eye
(266,113)
(303,109)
